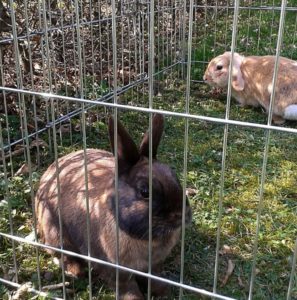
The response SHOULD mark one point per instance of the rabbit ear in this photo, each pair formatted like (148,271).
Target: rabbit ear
(157,130)
(128,154)
(237,79)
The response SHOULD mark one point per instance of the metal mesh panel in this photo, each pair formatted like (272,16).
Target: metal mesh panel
(66,65)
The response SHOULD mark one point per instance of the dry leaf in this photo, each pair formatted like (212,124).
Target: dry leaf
(19,146)
(38,143)
(225,250)
(18,151)
(24,169)
(191,192)
(55,286)
(77,128)
(38,119)
(65,128)
(22,291)
(241,284)
(30,127)
(37,66)
(229,272)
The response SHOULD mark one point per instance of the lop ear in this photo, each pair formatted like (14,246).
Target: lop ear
(237,79)
(157,131)
(128,154)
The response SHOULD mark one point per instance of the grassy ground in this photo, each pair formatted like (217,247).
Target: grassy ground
(242,177)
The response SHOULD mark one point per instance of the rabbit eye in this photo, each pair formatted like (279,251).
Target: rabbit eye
(219,67)
(144,191)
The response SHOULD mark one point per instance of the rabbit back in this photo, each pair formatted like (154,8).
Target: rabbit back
(257,72)
(70,192)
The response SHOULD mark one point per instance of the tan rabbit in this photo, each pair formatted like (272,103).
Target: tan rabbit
(252,82)
(133,194)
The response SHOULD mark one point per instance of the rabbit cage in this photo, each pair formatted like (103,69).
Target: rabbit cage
(66,65)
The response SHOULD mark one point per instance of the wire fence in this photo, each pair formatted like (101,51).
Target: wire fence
(66,65)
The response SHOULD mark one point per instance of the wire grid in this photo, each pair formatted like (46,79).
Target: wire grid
(70,58)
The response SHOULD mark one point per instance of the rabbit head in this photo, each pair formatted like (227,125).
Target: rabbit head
(167,194)
(252,82)
(217,72)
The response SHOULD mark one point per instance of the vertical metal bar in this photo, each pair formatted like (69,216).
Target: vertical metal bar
(145,41)
(32,79)
(183,41)
(294,38)
(225,140)
(266,149)
(293,272)
(43,59)
(167,20)
(7,198)
(272,24)
(74,53)
(6,113)
(259,28)
(115,86)
(129,51)
(54,142)
(226,26)
(25,129)
(100,40)
(248,26)
(108,52)
(51,52)
(205,26)
(186,143)
(172,32)
(65,68)
(135,34)
(122,41)
(151,67)
(277,58)
(82,62)
(158,33)
(18,69)
(215,27)
(83,123)
(92,48)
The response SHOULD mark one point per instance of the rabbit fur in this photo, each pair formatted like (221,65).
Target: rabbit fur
(133,169)
(252,82)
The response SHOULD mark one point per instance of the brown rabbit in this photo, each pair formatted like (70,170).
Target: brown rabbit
(252,82)
(133,194)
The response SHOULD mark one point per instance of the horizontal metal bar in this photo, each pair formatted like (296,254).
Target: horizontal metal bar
(261,8)
(30,290)
(78,111)
(41,33)
(167,68)
(119,267)
(150,110)
(198,81)
(196,61)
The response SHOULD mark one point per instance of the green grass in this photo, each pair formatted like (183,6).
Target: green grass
(241,195)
